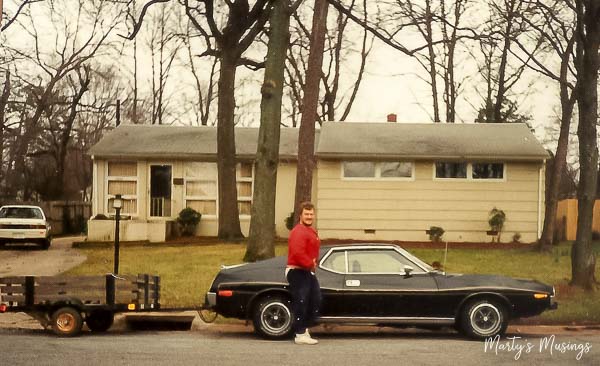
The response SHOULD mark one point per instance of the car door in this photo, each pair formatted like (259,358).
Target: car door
(376,285)
(331,275)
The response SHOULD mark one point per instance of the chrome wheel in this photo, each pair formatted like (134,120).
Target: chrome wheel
(273,318)
(485,319)
(276,318)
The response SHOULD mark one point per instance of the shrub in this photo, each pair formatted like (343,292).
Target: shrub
(516,238)
(188,219)
(435,233)
(496,220)
(289,221)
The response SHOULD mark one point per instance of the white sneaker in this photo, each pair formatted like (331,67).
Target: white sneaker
(305,338)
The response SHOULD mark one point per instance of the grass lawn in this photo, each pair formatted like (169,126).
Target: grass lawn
(187,271)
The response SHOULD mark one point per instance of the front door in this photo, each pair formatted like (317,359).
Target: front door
(160,190)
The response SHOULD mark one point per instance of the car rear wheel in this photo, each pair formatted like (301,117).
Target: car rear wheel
(273,317)
(484,318)
(100,320)
(67,322)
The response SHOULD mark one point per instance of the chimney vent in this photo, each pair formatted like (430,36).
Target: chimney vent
(391,117)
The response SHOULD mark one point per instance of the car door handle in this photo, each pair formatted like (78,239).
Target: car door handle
(352,283)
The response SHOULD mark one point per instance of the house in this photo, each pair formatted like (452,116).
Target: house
(373,181)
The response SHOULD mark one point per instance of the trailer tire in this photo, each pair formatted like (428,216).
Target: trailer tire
(67,322)
(100,320)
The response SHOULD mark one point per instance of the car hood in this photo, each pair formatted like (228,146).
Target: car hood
(470,281)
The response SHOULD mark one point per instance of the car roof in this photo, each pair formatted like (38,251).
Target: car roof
(354,244)
(21,206)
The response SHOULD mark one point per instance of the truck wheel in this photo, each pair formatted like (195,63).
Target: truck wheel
(100,320)
(273,317)
(67,322)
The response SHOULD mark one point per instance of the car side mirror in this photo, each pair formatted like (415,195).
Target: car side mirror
(408,270)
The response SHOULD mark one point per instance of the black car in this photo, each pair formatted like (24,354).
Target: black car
(378,284)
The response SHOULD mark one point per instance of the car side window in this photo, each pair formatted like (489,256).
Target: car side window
(378,261)
(336,262)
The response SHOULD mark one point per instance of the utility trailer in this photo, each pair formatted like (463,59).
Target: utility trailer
(64,303)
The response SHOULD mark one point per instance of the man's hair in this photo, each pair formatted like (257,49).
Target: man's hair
(306,206)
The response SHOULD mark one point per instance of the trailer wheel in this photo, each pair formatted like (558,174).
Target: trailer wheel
(67,322)
(100,320)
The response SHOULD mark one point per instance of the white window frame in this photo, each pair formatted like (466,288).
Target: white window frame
(240,179)
(378,176)
(186,198)
(115,178)
(469,177)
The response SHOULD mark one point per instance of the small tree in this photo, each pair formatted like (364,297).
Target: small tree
(435,234)
(496,220)
(188,220)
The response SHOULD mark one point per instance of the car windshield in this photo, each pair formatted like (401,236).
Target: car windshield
(416,260)
(20,213)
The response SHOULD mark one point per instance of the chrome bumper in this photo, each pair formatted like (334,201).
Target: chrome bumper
(210,300)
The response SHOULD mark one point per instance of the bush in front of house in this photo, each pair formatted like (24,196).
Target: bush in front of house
(496,220)
(188,219)
(435,234)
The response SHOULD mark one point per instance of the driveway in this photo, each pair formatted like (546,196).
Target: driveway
(25,260)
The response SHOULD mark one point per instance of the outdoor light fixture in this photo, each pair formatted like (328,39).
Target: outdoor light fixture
(117,205)
(117,202)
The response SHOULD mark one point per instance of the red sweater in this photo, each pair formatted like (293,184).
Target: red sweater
(303,247)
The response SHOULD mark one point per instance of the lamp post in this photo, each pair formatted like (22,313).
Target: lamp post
(117,204)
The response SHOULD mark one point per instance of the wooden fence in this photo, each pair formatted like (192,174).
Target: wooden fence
(566,219)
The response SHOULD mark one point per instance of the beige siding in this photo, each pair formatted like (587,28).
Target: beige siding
(403,210)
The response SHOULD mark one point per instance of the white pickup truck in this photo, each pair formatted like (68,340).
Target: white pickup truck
(24,224)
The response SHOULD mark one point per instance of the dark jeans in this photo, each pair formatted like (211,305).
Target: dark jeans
(306,298)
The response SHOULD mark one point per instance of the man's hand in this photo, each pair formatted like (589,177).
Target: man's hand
(314,266)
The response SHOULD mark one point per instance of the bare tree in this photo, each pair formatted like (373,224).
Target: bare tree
(553,22)
(583,259)
(261,241)
(75,45)
(241,26)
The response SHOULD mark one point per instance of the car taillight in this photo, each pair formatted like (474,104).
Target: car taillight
(225,293)
(3,308)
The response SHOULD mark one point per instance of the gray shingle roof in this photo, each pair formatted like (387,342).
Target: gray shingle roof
(490,141)
(184,142)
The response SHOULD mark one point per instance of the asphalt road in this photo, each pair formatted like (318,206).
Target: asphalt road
(235,345)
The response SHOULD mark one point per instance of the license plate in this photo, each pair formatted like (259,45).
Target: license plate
(18,235)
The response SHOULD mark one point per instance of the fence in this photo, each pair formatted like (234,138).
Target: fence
(566,219)
(66,217)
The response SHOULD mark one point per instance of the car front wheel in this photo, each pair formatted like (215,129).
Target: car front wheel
(273,317)
(484,318)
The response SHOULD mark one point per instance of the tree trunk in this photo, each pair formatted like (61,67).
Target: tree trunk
(432,61)
(560,159)
(261,241)
(306,138)
(229,217)
(500,96)
(582,257)
(3,104)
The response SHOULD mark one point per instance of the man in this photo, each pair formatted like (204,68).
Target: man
(303,252)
